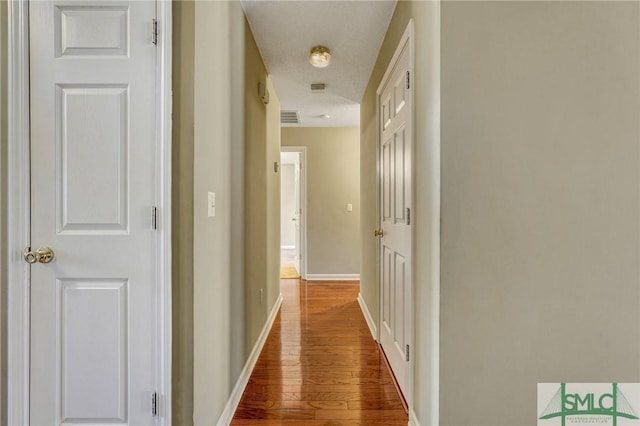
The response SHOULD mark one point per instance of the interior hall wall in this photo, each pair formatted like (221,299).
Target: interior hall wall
(182,211)
(262,194)
(540,196)
(333,181)
(219,350)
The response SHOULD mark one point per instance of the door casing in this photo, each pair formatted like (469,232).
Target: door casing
(18,211)
(303,204)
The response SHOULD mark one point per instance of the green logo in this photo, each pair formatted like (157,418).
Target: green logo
(612,404)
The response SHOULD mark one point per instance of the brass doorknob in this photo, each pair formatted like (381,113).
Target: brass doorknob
(42,255)
(378,233)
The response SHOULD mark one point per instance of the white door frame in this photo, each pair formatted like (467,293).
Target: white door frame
(303,203)
(407,37)
(18,211)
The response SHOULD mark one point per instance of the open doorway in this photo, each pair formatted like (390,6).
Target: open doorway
(293,213)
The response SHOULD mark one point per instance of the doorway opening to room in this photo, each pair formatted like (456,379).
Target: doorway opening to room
(292,213)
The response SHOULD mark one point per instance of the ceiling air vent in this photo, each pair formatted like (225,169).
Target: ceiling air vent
(289,117)
(317,87)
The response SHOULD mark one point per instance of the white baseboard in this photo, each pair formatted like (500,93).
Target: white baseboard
(287,247)
(243,380)
(333,277)
(413,419)
(367,316)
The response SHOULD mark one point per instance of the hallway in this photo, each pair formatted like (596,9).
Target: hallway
(320,365)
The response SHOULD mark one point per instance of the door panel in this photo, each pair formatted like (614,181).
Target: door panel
(387,282)
(387,179)
(92,145)
(398,301)
(93,184)
(94,317)
(396,200)
(91,30)
(400,171)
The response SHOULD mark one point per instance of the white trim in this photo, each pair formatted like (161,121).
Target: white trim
(333,277)
(303,203)
(287,247)
(18,209)
(18,213)
(245,375)
(413,419)
(367,316)
(163,195)
(407,38)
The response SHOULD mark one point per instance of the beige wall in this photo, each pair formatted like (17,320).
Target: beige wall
(211,269)
(236,253)
(333,181)
(273,201)
(182,213)
(255,196)
(262,195)
(237,328)
(540,198)
(426,17)
(287,205)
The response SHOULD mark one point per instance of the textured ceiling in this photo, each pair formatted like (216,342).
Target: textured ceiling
(285,31)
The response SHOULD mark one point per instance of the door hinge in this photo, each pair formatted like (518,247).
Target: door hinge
(154,217)
(408,80)
(408,216)
(406,353)
(154,34)
(154,404)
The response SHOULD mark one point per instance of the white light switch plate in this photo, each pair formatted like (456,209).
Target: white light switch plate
(211,203)
(349,207)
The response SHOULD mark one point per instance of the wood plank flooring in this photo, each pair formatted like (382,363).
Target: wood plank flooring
(320,365)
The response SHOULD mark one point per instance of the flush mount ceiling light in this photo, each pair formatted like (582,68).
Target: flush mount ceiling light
(320,57)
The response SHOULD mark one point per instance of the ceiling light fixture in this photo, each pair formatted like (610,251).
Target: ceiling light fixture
(320,57)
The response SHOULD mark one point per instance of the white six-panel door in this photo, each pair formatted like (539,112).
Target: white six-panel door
(93,129)
(395,210)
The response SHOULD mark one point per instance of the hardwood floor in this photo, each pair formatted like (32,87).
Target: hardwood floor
(320,365)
